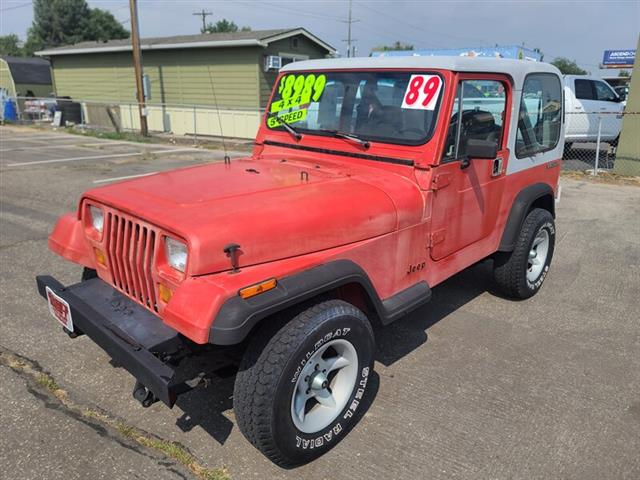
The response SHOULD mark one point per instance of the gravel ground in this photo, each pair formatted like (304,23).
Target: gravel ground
(469,386)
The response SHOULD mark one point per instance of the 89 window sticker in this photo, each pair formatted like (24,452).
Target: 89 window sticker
(296,91)
(422,92)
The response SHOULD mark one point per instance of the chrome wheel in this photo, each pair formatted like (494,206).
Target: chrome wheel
(324,386)
(538,255)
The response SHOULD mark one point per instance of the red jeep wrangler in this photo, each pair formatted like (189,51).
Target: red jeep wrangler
(372,180)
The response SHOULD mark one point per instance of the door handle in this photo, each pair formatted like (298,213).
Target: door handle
(496,167)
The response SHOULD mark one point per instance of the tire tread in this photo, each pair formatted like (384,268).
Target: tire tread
(508,265)
(258,375)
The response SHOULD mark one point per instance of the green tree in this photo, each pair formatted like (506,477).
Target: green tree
(568,67)
(103,26)
(223,26)
(65,22)
(10,45)
(624,73)
(397,45)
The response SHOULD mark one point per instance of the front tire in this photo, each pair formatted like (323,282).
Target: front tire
(520,273)
(297,396)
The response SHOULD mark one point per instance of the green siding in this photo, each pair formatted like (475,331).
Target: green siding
(179,77)
(38,90)
(6,81)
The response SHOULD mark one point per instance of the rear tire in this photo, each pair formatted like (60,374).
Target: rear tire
(520,273)
(296,396)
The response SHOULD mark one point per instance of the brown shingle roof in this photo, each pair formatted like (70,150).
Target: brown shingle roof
(157,43)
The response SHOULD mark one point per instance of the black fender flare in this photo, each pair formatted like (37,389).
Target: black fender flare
(519,209)
(237,316)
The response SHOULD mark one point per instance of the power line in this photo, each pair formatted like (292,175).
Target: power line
(204,16)
(422,29)
(349,40)
(16,6)
(296,13)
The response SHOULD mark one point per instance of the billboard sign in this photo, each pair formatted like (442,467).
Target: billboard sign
(618,58)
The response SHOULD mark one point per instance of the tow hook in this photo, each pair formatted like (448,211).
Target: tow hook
(144,395)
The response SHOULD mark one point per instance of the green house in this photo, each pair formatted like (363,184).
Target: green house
(189,77)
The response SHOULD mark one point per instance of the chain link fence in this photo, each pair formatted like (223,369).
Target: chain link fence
(590,144)
(591,140)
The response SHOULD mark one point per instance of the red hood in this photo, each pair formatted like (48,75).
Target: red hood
(265,206)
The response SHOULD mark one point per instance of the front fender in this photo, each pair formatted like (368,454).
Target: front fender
(69,241)
(519,209)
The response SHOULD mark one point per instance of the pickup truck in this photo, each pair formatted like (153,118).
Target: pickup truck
(592,108)
(372,180)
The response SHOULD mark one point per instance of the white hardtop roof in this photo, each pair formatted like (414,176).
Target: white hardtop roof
(517,69)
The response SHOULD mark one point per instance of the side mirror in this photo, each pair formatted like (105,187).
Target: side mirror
(477,148)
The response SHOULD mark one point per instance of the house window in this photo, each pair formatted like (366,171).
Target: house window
(288,58)
(294,42)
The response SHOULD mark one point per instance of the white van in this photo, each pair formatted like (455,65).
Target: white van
(589,101)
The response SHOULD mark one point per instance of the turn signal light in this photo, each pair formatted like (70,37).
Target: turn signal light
(100,257)
(165,293)
(258,288)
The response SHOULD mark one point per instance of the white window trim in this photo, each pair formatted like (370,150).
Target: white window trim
(295,56)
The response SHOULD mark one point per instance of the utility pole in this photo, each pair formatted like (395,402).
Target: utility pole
(349,40)
(137,66)
(204,16)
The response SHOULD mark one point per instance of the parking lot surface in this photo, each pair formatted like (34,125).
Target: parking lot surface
(469,386)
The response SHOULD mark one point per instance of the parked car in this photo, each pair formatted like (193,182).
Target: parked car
(372,180)
(591,105)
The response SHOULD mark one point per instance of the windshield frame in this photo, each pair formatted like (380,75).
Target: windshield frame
(370,138)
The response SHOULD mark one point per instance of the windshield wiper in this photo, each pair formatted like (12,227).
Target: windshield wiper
(348,136)
(294,133)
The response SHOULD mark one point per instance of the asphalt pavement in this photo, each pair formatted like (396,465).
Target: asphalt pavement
(469,386)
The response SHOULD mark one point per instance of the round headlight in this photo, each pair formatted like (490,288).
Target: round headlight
(176,253)
(97,218)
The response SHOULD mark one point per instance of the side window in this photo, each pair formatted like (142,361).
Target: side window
(478,113)
(584,90)
(540,115)
(604,92)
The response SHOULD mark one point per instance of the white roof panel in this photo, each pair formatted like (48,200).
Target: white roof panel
(517,69)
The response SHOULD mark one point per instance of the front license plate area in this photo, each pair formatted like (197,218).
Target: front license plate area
(60,310)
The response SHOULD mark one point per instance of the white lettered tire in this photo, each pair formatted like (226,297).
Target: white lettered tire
(297,396)
(520,273)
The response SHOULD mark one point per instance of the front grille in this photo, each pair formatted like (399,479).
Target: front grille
(131,246)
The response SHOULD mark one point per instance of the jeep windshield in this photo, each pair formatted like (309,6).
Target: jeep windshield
(388,107)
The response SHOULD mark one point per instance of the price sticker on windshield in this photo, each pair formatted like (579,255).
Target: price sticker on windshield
(297,90)
(422,92)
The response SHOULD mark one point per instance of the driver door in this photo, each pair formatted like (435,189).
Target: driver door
(468,191)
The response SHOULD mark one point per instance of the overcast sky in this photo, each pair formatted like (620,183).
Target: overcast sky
(579,30)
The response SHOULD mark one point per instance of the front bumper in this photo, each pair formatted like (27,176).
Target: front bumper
(134,337)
